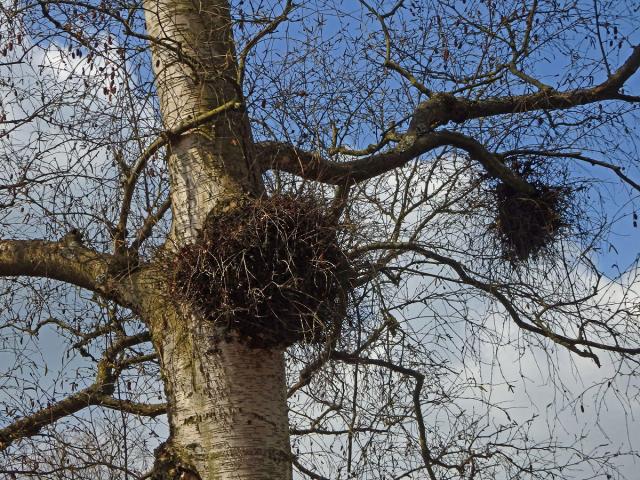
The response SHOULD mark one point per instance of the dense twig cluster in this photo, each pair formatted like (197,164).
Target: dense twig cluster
(270,271)
(527,224)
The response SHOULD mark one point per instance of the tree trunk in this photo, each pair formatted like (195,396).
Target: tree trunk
(227,402)
(214,162)
(228,410)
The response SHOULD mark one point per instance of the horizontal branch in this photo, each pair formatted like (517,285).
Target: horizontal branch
(313,166)
(618,170)
(421,137)
(91,396)
(137,408)
(306,471)
(324,431)
(32,424)
(69,261)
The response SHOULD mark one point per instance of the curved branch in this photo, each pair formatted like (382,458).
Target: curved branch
(619,171)
(166,42)
(313,166)
(539,328)
(32,424)
(491,162)
(421,138)
(99,393)
(425,451)
(388,62)
(443,108)
(270,28)
(136,170)
(306,471)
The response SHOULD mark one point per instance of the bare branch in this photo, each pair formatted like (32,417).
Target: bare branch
(428,458)
(136,170)
(142,409)
(313,166)
(306,471)
(99,393)
(69,262)
(619,171)
(388,62)
(270,28)
(539,328)
(443,108)
(145,231)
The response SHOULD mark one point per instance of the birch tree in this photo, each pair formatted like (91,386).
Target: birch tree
(316,236)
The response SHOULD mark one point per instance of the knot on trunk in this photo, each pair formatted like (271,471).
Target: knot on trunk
(268,272)
(168,465)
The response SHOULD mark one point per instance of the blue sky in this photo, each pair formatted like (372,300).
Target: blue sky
(612,260)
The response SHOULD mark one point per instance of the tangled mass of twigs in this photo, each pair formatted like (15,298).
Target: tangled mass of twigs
(527,224)
(269,272)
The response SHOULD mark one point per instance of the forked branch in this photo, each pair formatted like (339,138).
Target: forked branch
(580,345)
(422,136)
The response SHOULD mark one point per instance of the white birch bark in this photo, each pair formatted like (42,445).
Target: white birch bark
(228,415)
(211,163)
(228,411)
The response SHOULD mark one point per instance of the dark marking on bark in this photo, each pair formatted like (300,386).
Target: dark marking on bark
(169,465)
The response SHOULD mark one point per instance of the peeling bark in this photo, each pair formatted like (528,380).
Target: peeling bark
(169,466)
(228,413)
(227,404)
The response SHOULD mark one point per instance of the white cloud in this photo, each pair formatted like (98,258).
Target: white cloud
(571,399)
